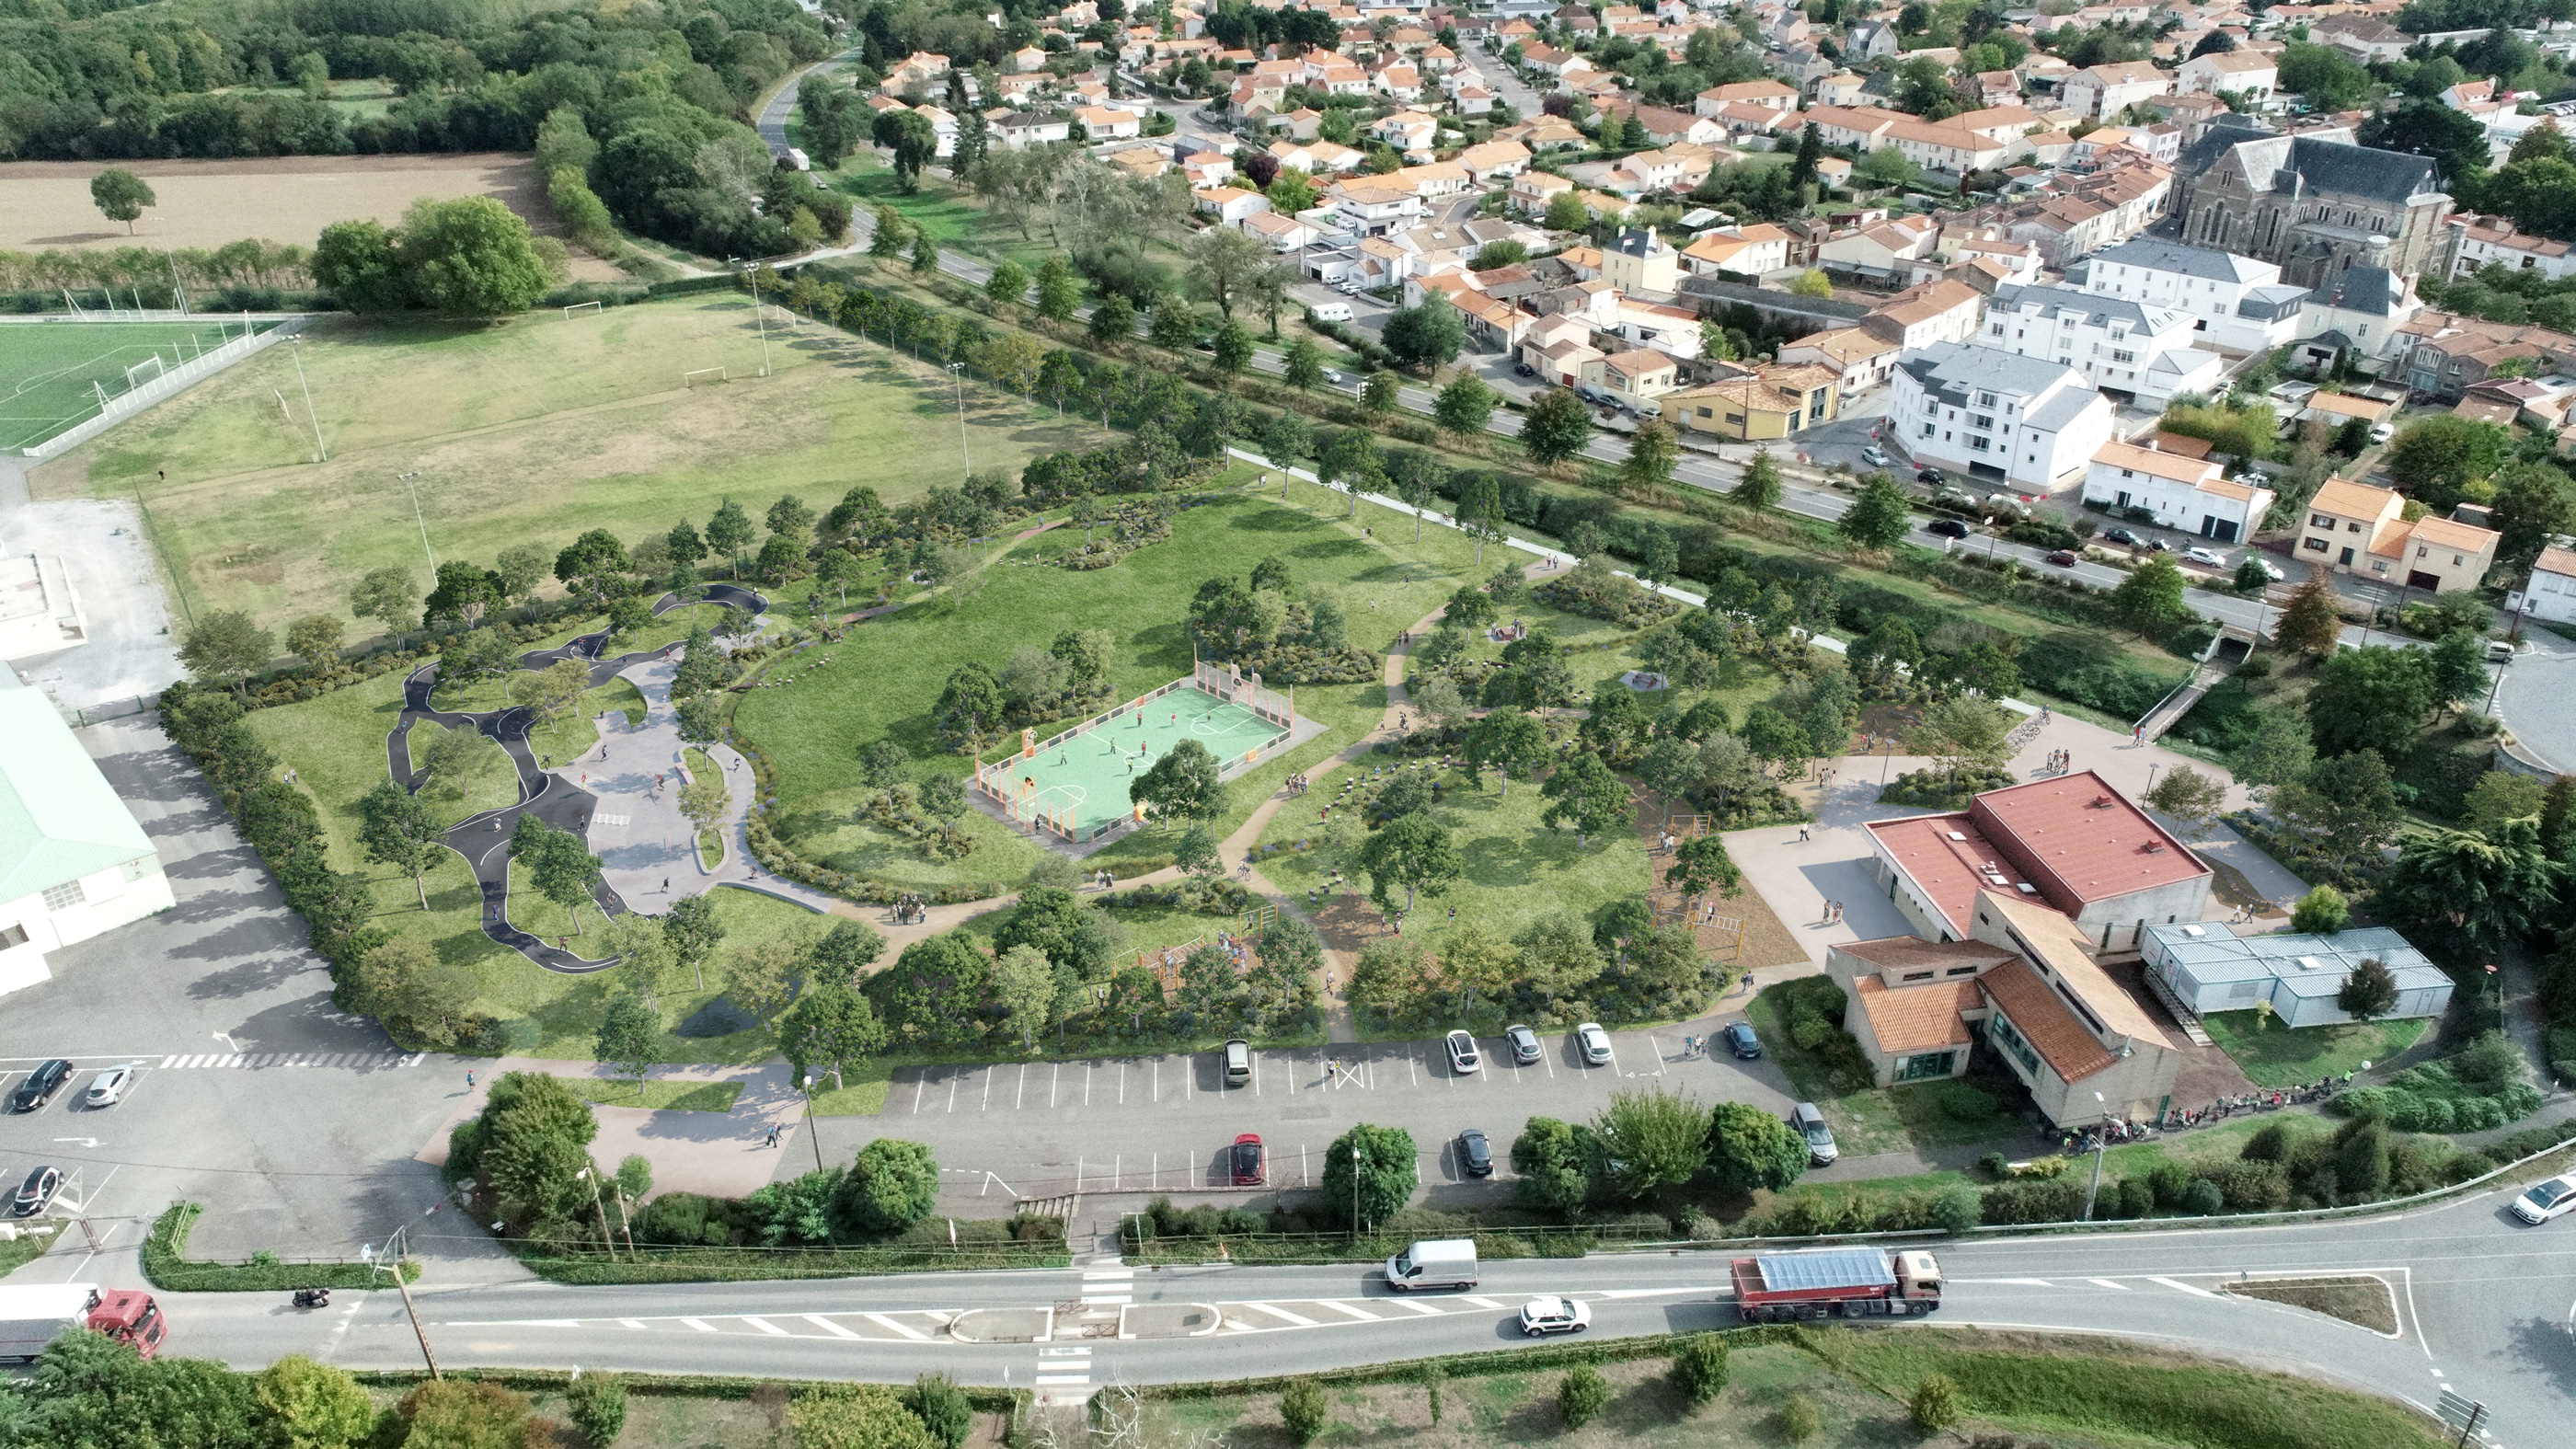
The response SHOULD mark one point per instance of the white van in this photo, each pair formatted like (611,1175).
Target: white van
(1433,1263)
(1330,311)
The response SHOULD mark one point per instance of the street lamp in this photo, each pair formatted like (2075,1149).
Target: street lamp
(957,370)
(295,346)
(417,519)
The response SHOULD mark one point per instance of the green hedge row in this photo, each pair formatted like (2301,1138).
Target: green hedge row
(669,1386)
(738,1265)
(165,1267)
(1565,1354)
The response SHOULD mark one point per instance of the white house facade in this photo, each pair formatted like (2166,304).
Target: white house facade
(2118,345)
(2012,419)
(2236,303)
(2182,493)
(73,862)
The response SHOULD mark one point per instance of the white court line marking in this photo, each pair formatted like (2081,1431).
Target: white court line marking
(828,1326)
(2183,1288)
(1300,1321)
(1359,1313)
(906,1329)
(765,1326)
(699,1324)
(1481,1302)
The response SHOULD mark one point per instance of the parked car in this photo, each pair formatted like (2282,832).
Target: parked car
(1248,1168)
(1238,1062)
(1595,1043)
(1475,1154)
(1949,528)
(2553,1197)
(2064,558)
(40,1086)
(1523,369)
(1463,1057)
(35,1192)
(2271,570)
(2382,432)
(1933,476)
(108,1087)
(1543,1316)
(2120,536)
(2155,545)
(2499,651)
(1873,457)
(1741,1040)
(2208,558)
(1809,1122)
(1525,1047)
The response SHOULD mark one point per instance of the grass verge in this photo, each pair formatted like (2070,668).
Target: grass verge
(2278,1056)
(660,1096)
(166,1266)
(2366,1301)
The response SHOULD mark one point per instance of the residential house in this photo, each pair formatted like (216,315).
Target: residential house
(2025,421)
(2364,38)
(1022,129)
(1938,311)
(2102,92)
(1028,58)
(1372,209)
(1557,347)
(2237,304)
(1775,402)
(1858,357)
(1230,205)
(1492,160)
(1882,249)
(1673,331)
(1768,94)
(1105,124)
(1284,233)
(2494,241)
(1636,377)
(1531,191)
(1640,261)
(2362,311)
(1871,40)
(2446,354)
(2356,529)
(2185,493)
(2246,74)
(2549,594)
(1750,251)
(1409,132)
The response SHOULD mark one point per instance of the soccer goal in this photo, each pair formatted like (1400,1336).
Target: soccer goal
(705,374)
(144,371)
(580,307)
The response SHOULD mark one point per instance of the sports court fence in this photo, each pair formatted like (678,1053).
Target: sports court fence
(187,374)
(995,780)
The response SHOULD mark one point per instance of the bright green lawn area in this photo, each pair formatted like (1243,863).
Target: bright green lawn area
(530,429)
(2273,1055)
(663,1096)
(887,675)
(1878,1119)
(955,220)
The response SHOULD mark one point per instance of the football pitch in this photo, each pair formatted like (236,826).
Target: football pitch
(1086,775)
(51,373)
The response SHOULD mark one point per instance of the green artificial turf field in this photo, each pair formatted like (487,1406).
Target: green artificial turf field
(1082,781)
(51,373)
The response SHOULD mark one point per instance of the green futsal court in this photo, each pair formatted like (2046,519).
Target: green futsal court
(52,374)
(1079,780)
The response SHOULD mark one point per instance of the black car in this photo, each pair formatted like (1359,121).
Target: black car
(36,1191)
(40,1086)
(2063,558)
(1523,369)
(1948,528)
(1475,1156)
(2121,536)
(1741,1040)
(1933,476)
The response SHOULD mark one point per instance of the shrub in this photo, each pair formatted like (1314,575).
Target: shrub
(1699,1370)
(943,1408)
(1798,1420)
(2137,1198)
(1580,1396)
(1302,1410)
(597,1403)
(1956,1208)
(1935,1404)
(2032,1200)
(2203,1199)
(2249,1187)
(2270,1143)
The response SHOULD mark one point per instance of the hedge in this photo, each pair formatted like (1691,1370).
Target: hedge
(165,1268)
(740,1265)
(1564,1354)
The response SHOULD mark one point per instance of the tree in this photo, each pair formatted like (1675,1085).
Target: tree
(1699,1369)
(1369,1173)
(1759,488)
(549,691)
(1024,987)
(2188,798)
(397,830)
(532,1143)
(1113,320)
(629,1040)
(1059,290)
(470,257)
(404,980)
(892,1185)
(2321,912)
(855,1416)
(386,595)
(1464,406)
(121,196)
(2277,752)
(1415,852)
(925,255)
(1184,784)
(971,708)
(1224,264)
(1554,1163)
(1567,212)
(1878,518)
(1813,283)
(2492,888)
(1286,956)
(944,1409)
(1580,1396)
(1962,732)
(312,1405)
(315,638)
(463,593)
(1652,451)
(1303,1411)
(1175,324)
(1651,1139)
(2345,807)
(2534,502)
(1701,865)
(1380,395)
(1504,741)
(1480,516)
(596,564)
(1584,793)
(1008,284)
(1303,364)
(2370,698)
(2308,624)
(2369,993)
(1811,149)
(2436,458)
(1556,427)
(225,644)
(1429,336)
(1233,347)
(2457,668)
(2150,598)
(464,1414)
(2499,796)
(909,136)
(1935,1404)
(1750,1148)
(560,867)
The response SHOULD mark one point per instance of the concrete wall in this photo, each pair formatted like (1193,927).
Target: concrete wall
(2123,916)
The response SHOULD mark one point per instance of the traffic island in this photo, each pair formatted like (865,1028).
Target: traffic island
(1169,1320)
(1003,1325)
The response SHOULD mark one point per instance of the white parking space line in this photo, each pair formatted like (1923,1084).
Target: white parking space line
(1021,1093)
(1256,1072)
(987,1104)
(906,1329)
(828,1326)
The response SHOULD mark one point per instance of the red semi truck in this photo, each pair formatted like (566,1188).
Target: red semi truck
(1836,1283)
(32,1314)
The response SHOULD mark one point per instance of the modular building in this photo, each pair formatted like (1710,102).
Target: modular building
(2210,968)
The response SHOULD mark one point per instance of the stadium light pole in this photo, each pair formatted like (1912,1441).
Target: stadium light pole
(295,345)
(957,370)
(759,311)
(414,491)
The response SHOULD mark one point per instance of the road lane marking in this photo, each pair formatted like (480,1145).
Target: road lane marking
(629,1323)
(1481,1302)
(765,1326)
(1422,1308)
(828,1326)
(2180,1287)
(1022,1093)
(2107,1283)
(906,1329)
(1277,1312)
(1361,1314)
(699,1324)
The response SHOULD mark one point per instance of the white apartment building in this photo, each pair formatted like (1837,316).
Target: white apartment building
(2551,590)
(2236,304)
(2021,421)
(73,862)
(2183,493)
(2117,344)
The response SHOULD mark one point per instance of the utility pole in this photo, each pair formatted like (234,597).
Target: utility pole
(957,370)
(295,345)
(2510,635)
(423,523)
(401,1281)
(2101,1144)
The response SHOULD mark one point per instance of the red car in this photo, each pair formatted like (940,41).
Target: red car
(1246,1164)
(2064,558)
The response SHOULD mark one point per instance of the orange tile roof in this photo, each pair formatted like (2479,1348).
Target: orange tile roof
(2451,533)
(1913,953)
(1918,1018)
(2346,499)
(2560,561)
(2044,1021)
(2081,840)
(2348,406)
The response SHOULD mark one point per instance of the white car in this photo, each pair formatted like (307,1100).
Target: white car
(1873,457)
(2272,570)
(108,1087)
(2207,558)
(2382,432)
(1543,1316)
(1462,1053)
(1595,1043)
(2554,1197)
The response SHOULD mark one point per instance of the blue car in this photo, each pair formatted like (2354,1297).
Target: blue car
(1741,1040)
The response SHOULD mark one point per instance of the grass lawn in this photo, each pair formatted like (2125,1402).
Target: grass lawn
(955,220)
(2277,1056)
(535,428)
(887,675)
(664,1096)
(1879,1119)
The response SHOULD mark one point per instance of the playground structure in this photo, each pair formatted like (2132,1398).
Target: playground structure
(1081,802)
(1722,936)
(1165,961)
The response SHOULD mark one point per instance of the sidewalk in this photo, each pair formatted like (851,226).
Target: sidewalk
(720,1154)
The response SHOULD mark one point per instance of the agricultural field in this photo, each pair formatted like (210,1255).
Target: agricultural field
(535,428)
(271,198)
(52,373)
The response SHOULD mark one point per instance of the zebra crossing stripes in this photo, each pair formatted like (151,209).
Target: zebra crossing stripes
(254,1061)
(1064,1366)
(1108,1285)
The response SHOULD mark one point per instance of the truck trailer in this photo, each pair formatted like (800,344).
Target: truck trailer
(1836,1283)
(34,1314)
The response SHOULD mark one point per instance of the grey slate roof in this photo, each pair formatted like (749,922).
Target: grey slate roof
(2277,300)
(2283,163)
(1949,369)
(2159,255)
(2066,301)
(2372,290)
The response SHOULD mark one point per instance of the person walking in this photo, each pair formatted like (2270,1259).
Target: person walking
(469,1081)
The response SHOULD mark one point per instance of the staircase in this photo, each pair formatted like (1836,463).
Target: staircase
(2184,1016)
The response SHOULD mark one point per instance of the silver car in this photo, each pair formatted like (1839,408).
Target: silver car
(108,1087)
(1525,1047)
(1595,1043)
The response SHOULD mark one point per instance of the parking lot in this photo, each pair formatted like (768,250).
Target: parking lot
(1164,1123)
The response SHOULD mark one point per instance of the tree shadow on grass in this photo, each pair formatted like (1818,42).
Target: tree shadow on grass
(1277,520)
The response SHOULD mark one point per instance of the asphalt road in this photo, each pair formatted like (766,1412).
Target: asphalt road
(2482,1307)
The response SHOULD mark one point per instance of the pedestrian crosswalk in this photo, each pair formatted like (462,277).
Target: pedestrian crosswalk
(607,819)
(252,1061)
(1110,1284)
(1064,1366)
